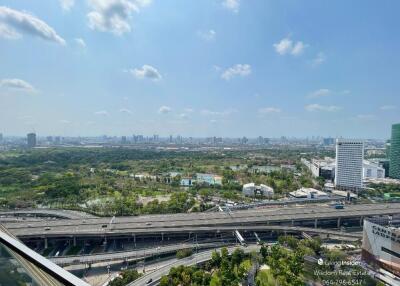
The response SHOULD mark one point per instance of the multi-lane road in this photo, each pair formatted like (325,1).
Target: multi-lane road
(195,222)
(154,277)
(52,213)
(130,255)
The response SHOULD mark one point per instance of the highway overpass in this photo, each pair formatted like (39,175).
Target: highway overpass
(150,225)
(48,213)
(130,255)
(139,254)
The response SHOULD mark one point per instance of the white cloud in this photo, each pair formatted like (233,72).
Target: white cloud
(366,117)
(216,68)
(80,42)
(286,46)
(8,33)
(318,107)
(101,112)
(63,121)
(298,48)
(232,5)
(269,110)
(15,22)
(320,93)
(237,70)
(16,84)
(388,107)
(113,15)
(189,110)
(146,71)
(319,59)
(66,5)
(125,110)
(207,35)
(164,109)
(225,112)
(183,116)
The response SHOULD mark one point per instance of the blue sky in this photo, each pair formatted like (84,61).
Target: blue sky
(200,68)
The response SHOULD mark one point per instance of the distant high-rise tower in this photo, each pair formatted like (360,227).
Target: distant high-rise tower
(328,141)
(31,137)
(349,164)
(394,167)
(1,137)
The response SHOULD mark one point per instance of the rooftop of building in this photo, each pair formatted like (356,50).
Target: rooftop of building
(391,222)
(353,141)
(307,191)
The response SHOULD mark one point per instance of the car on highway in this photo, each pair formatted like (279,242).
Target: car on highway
(149,281)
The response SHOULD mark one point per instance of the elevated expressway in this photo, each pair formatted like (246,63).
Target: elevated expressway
(139,254)
(314,216)
(130,255)
(50,213)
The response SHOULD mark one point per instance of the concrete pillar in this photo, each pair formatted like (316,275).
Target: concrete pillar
(74,241)
(316,223)
(46,243)
(338,222)
(292,223)
(162,236)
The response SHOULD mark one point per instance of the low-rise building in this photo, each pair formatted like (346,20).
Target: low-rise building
(208,179)
(372,170)
(143,177)
(321,167)
(187,182)
(263,169)
(252,190)
(308,193)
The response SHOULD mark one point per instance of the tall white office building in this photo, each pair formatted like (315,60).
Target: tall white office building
(349,164)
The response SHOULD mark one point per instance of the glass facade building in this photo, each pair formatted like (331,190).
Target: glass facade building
(394,169)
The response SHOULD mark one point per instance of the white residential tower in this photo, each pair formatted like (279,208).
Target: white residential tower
(349,164)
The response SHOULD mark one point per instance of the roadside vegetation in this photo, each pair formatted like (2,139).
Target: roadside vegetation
(127,276)
(290,262)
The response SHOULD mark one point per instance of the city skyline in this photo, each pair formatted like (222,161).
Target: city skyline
(215,68)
